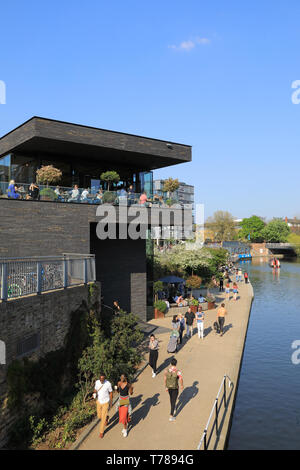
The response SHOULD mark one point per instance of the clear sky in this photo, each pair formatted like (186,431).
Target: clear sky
(216,75)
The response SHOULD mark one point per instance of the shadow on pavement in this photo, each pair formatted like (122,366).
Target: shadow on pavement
(143,411)
(186,395)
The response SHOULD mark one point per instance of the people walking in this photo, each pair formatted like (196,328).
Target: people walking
(172,378)
(125,389)
(153,354)
(221,284)
(235,290)
(246,277)
(227,291)
(240,275)
(189,319)
(221,318)
(103,392)
(181,327)
(200,322)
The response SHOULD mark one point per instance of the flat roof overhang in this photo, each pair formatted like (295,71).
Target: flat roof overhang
(40,136)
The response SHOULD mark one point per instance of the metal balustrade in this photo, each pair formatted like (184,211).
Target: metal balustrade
(25,276)
(215,411)
(60,194)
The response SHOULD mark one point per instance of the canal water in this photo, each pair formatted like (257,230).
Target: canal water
(267,408)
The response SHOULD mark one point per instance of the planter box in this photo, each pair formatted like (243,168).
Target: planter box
(194,308)
(210,305)
(158,314)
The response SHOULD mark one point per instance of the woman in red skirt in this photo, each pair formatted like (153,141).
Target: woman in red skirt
(125,389)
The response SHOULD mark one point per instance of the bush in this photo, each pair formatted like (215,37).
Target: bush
(48,193)
(48,174)
(161,306)
(194,302)
(109,197)
(193,282)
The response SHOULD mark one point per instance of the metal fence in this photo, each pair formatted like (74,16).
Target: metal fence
(25,276)
(215,411)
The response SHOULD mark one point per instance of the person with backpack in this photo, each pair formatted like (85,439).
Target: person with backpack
(172,378)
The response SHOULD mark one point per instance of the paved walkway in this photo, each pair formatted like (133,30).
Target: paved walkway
(203,364)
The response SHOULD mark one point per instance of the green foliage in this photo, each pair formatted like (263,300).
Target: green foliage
(109,197)
(110,177)
(161,306)
(184,263)
(276,231)
(158,286)
(49,193)
(194,302)
(254,227)
(294,239)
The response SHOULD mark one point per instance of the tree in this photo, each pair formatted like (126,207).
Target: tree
(253,227)
(222,225)
(276,231)
(170,186)
(48,174)
(110,177)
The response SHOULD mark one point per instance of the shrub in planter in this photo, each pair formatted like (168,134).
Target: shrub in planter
(157,287)
(48,174)
(193,304)
(48,194)
(210,299)
(108,197)
(160,308)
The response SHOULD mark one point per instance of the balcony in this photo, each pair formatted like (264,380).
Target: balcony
(75,195)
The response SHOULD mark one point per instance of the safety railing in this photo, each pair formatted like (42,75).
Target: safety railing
(76,195)
(25,276)
(215,411)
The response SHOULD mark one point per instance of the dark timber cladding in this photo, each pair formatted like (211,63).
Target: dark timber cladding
(46,136)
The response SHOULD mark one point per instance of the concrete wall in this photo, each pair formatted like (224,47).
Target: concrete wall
(48,316)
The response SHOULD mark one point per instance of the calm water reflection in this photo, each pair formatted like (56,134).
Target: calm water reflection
(267,410)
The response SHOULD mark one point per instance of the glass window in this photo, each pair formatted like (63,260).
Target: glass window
(5,169)
(23,168)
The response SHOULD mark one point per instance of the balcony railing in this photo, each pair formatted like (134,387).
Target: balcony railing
(59,194)
(25,276)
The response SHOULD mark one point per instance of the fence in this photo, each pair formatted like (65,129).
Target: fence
(25,276)
(205,439)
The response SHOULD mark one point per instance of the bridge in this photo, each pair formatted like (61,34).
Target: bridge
(283,248)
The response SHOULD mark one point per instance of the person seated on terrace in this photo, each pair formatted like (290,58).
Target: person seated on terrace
(179,301)
(201,299)
(12,191)
(74,194)
(84,195)
(155,199)
(99,196)
(130,194)
(143,199)
(122,195)
(33,191)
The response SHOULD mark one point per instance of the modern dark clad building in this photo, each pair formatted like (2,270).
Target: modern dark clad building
(34,227)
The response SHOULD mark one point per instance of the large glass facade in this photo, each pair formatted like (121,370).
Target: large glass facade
(86,174)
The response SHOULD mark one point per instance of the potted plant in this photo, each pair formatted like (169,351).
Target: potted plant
(46,175)
(193,282)
(47,194)
(193,304)
(110,177)
(109,197)
(160,308)
(210,299)
(170,186)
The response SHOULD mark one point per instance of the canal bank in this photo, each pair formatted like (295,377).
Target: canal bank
(203,364)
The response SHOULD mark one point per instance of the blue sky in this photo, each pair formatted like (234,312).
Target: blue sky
(215,75)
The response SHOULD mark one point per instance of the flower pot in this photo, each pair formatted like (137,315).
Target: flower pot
(194,308)
(210,305)
(158,314)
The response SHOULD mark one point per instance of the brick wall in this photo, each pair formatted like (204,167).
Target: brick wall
(47,315)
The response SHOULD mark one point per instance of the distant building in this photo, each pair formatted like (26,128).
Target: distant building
(294,223)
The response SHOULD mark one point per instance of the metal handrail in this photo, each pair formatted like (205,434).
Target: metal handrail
(215,409)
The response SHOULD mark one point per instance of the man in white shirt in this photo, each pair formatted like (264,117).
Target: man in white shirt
(103,391)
